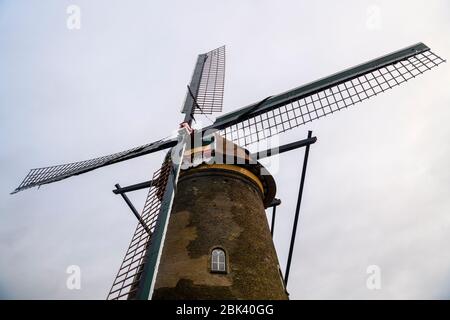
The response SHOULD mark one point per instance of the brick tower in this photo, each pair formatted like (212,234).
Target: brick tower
(218,243)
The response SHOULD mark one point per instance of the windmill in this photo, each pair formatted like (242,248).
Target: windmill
(148,258)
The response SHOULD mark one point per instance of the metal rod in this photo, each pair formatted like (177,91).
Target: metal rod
(285,148)
(274,211)
(297,211)
(134,187)
(275,203)
(133,209)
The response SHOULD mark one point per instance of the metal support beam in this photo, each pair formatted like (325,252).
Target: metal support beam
(297,211)
(134,187)
(275,203)
(133,209)
(285,148)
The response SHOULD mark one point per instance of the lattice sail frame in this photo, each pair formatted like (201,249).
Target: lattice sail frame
(212,81)
(45,175)
(273,115)
(329,99)
(130,274)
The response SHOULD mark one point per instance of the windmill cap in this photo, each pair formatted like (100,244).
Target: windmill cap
(219,154)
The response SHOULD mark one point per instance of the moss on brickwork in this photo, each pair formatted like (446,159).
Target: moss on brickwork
(218,209)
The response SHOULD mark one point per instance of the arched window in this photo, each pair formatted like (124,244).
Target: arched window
(218,261)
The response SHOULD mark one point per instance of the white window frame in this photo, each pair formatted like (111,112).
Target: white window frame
(218,260)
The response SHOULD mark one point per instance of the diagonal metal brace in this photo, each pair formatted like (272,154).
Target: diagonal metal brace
(133,209)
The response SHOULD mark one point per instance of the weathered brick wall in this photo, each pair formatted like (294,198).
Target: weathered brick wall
(218,208)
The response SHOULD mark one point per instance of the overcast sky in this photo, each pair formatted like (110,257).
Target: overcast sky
(378,180)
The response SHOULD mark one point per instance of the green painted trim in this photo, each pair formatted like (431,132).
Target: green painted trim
(284,98)
(151,267)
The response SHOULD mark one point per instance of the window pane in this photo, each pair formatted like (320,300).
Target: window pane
(218,260)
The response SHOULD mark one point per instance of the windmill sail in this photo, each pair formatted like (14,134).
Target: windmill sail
(277,114)
(210,92)
(40,176)
(140,264)
(129,280)
(205,92)
(271,116)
